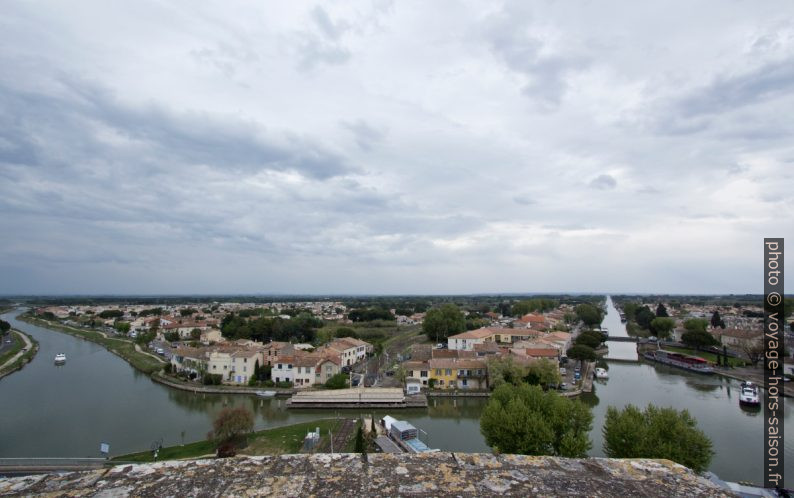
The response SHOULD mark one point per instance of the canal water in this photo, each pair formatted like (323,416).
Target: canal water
(52,411)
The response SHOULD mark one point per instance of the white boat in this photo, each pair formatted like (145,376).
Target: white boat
(601,373)
(266,394)
(60,358)
(749,395)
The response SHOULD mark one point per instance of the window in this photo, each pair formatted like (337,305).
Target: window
(245,360)
(225,367)
(279,366)
(448,372)
(244,367)
(423,373)
(214,367)
(441,382)
(438,372)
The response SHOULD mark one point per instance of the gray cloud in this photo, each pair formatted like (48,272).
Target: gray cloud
(603,182)
(366,135)
(391,148)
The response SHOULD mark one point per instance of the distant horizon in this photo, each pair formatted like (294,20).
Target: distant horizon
(298,294)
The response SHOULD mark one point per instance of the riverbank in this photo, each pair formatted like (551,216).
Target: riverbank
(754,375)
(218,389)
(20,355)
(123,348)
(277,441)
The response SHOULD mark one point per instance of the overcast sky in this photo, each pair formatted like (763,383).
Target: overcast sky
(393,147)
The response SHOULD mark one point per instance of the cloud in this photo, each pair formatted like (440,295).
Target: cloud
(603,182)
(391,147)
(366,135)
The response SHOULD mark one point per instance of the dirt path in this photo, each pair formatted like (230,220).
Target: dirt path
(25,349)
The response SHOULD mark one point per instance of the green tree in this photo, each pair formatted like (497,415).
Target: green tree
(503,370)
(360,445)
(338,381)
(644,316)
(589,338)
(656,433)
(171,336)
(195,334)
(590,315)
(698,339)
(662,326)
(716,319)
(111,314)
(661,311)
(440,323)
(231,424)
(582,352)
(525,420)
(543,372)
(345,332)
(4,327)
(696,324)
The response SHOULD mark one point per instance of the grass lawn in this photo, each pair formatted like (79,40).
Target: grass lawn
(281,440)
(734,362)
(123,347)
(16,346)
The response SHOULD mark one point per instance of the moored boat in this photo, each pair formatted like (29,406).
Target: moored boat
(266,394)
(60,359)
(749,395)
(601,373)
(680,360)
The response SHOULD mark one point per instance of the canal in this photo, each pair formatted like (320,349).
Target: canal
(52,411)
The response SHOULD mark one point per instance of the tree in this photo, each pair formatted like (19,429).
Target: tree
(4,327)
(753,348)
(543,372)
(504,370)
(590,315)
(661,311)
(716,320)
(443,322)
(187,311)
(662,326)
(172,336)
(698,339)
(582,352)
(195,334)
(338,381)
(360,445)
(644,316)
(589,338)
(230,425)
(111,314)
(525,420)
(345,332)
(696,324)
(656,433)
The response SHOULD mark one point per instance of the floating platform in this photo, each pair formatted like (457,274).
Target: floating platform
(372,397)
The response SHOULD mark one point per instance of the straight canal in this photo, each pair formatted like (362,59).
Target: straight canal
(66,411)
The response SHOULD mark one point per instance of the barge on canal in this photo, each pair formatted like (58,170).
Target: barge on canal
(680,360)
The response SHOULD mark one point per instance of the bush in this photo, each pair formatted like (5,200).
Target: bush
(230,425)
(338,381)
(284,384)
(168,368)
(656,433)
(269,383)
(211,379)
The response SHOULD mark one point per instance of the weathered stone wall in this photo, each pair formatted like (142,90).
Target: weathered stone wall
(347,475)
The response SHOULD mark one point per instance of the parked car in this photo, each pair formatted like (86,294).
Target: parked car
(160,351)
(563,371)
